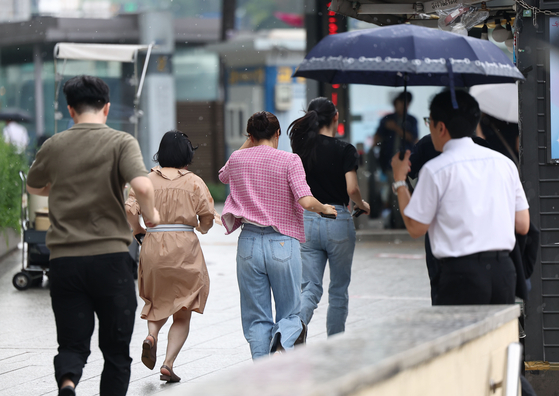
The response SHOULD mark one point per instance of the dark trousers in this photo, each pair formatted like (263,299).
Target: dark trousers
(433,269)
(482,278)
(81,287)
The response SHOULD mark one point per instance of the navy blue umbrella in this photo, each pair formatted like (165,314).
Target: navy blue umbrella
(15,114)
(402,55)
(383,56)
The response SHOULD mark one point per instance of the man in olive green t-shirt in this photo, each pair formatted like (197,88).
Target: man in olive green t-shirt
(83,172)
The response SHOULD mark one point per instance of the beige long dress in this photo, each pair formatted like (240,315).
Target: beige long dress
(172,274)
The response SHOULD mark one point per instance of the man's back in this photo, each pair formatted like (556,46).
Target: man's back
(478,192)
(87,167)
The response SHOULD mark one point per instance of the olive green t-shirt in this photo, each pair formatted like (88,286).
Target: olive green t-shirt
(87,167)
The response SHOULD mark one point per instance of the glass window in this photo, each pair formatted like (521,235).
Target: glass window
(196,75)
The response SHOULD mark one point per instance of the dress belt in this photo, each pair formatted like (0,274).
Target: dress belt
(170,228)
(491,254)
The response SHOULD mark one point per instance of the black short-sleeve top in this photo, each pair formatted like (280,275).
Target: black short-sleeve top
(326,177)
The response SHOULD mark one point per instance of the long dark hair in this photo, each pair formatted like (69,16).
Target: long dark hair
(263,125)
(304,131)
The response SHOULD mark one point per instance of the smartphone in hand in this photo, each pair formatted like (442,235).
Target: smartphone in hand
(328,216)
(357,212)
(139,238)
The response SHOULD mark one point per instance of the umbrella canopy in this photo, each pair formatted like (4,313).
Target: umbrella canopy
(498,100)
(403,55)
(15,114)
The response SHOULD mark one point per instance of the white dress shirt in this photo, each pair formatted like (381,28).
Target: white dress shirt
(469,196)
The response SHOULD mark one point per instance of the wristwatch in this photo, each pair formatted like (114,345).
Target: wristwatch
(396,185)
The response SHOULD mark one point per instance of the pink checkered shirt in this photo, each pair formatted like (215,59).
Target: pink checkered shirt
(266,185)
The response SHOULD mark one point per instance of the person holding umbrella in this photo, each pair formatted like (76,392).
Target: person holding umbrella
(330,165)
(471,201)
(16,134)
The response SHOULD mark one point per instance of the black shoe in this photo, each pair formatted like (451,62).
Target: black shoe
(302,339)
(67,391)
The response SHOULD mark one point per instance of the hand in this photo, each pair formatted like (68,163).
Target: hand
(364,206)
(329,210)
(153,221)
(401,168)
(200,230)
(139,230)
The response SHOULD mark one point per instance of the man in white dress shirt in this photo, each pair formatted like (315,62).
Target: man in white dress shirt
(471,201)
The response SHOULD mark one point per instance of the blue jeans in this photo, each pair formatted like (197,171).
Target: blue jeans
(332,240)
(268,260)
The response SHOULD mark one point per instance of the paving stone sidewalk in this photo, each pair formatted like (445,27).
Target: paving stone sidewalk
(388,278)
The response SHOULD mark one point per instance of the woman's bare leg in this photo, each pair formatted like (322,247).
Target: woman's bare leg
(154,327)
(178,334)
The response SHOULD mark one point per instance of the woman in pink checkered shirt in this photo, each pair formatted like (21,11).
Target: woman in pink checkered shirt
(268,194)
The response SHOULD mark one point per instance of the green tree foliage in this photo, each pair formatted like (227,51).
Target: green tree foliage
(218,191)
(11,162)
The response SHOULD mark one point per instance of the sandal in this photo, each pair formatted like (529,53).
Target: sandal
(149,352)
(171,377)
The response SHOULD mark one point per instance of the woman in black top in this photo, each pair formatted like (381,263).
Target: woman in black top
(330,165)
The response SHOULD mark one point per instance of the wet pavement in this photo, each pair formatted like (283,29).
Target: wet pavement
(389,277)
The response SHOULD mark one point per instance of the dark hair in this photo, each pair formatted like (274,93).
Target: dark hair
(404,97)
(85,93)
(460,122)
(263,125)
(175,150)
(304,131)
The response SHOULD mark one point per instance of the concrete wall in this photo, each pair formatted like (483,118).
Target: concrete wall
(464,371)
(431,351)
(8,241)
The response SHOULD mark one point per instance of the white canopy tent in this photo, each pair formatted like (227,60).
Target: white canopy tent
(126,53)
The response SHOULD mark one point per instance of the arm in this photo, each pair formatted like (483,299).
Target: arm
(354,192)
(401,169)
(415,228)
(44,191)
(134,221)
(522,221)
(247,144)
(133,214)
(205,209)
(312,204)
(143,189)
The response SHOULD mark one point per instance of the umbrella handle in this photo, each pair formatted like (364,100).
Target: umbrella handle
(403,145)
(451,83)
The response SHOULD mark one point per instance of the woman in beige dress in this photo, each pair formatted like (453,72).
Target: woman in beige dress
(172,277)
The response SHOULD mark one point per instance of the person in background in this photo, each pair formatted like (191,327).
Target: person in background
(501,136)
(389,137)
(173,279)
(268,194)
(471,201)
(83,171)
(330,165)
(16,134)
